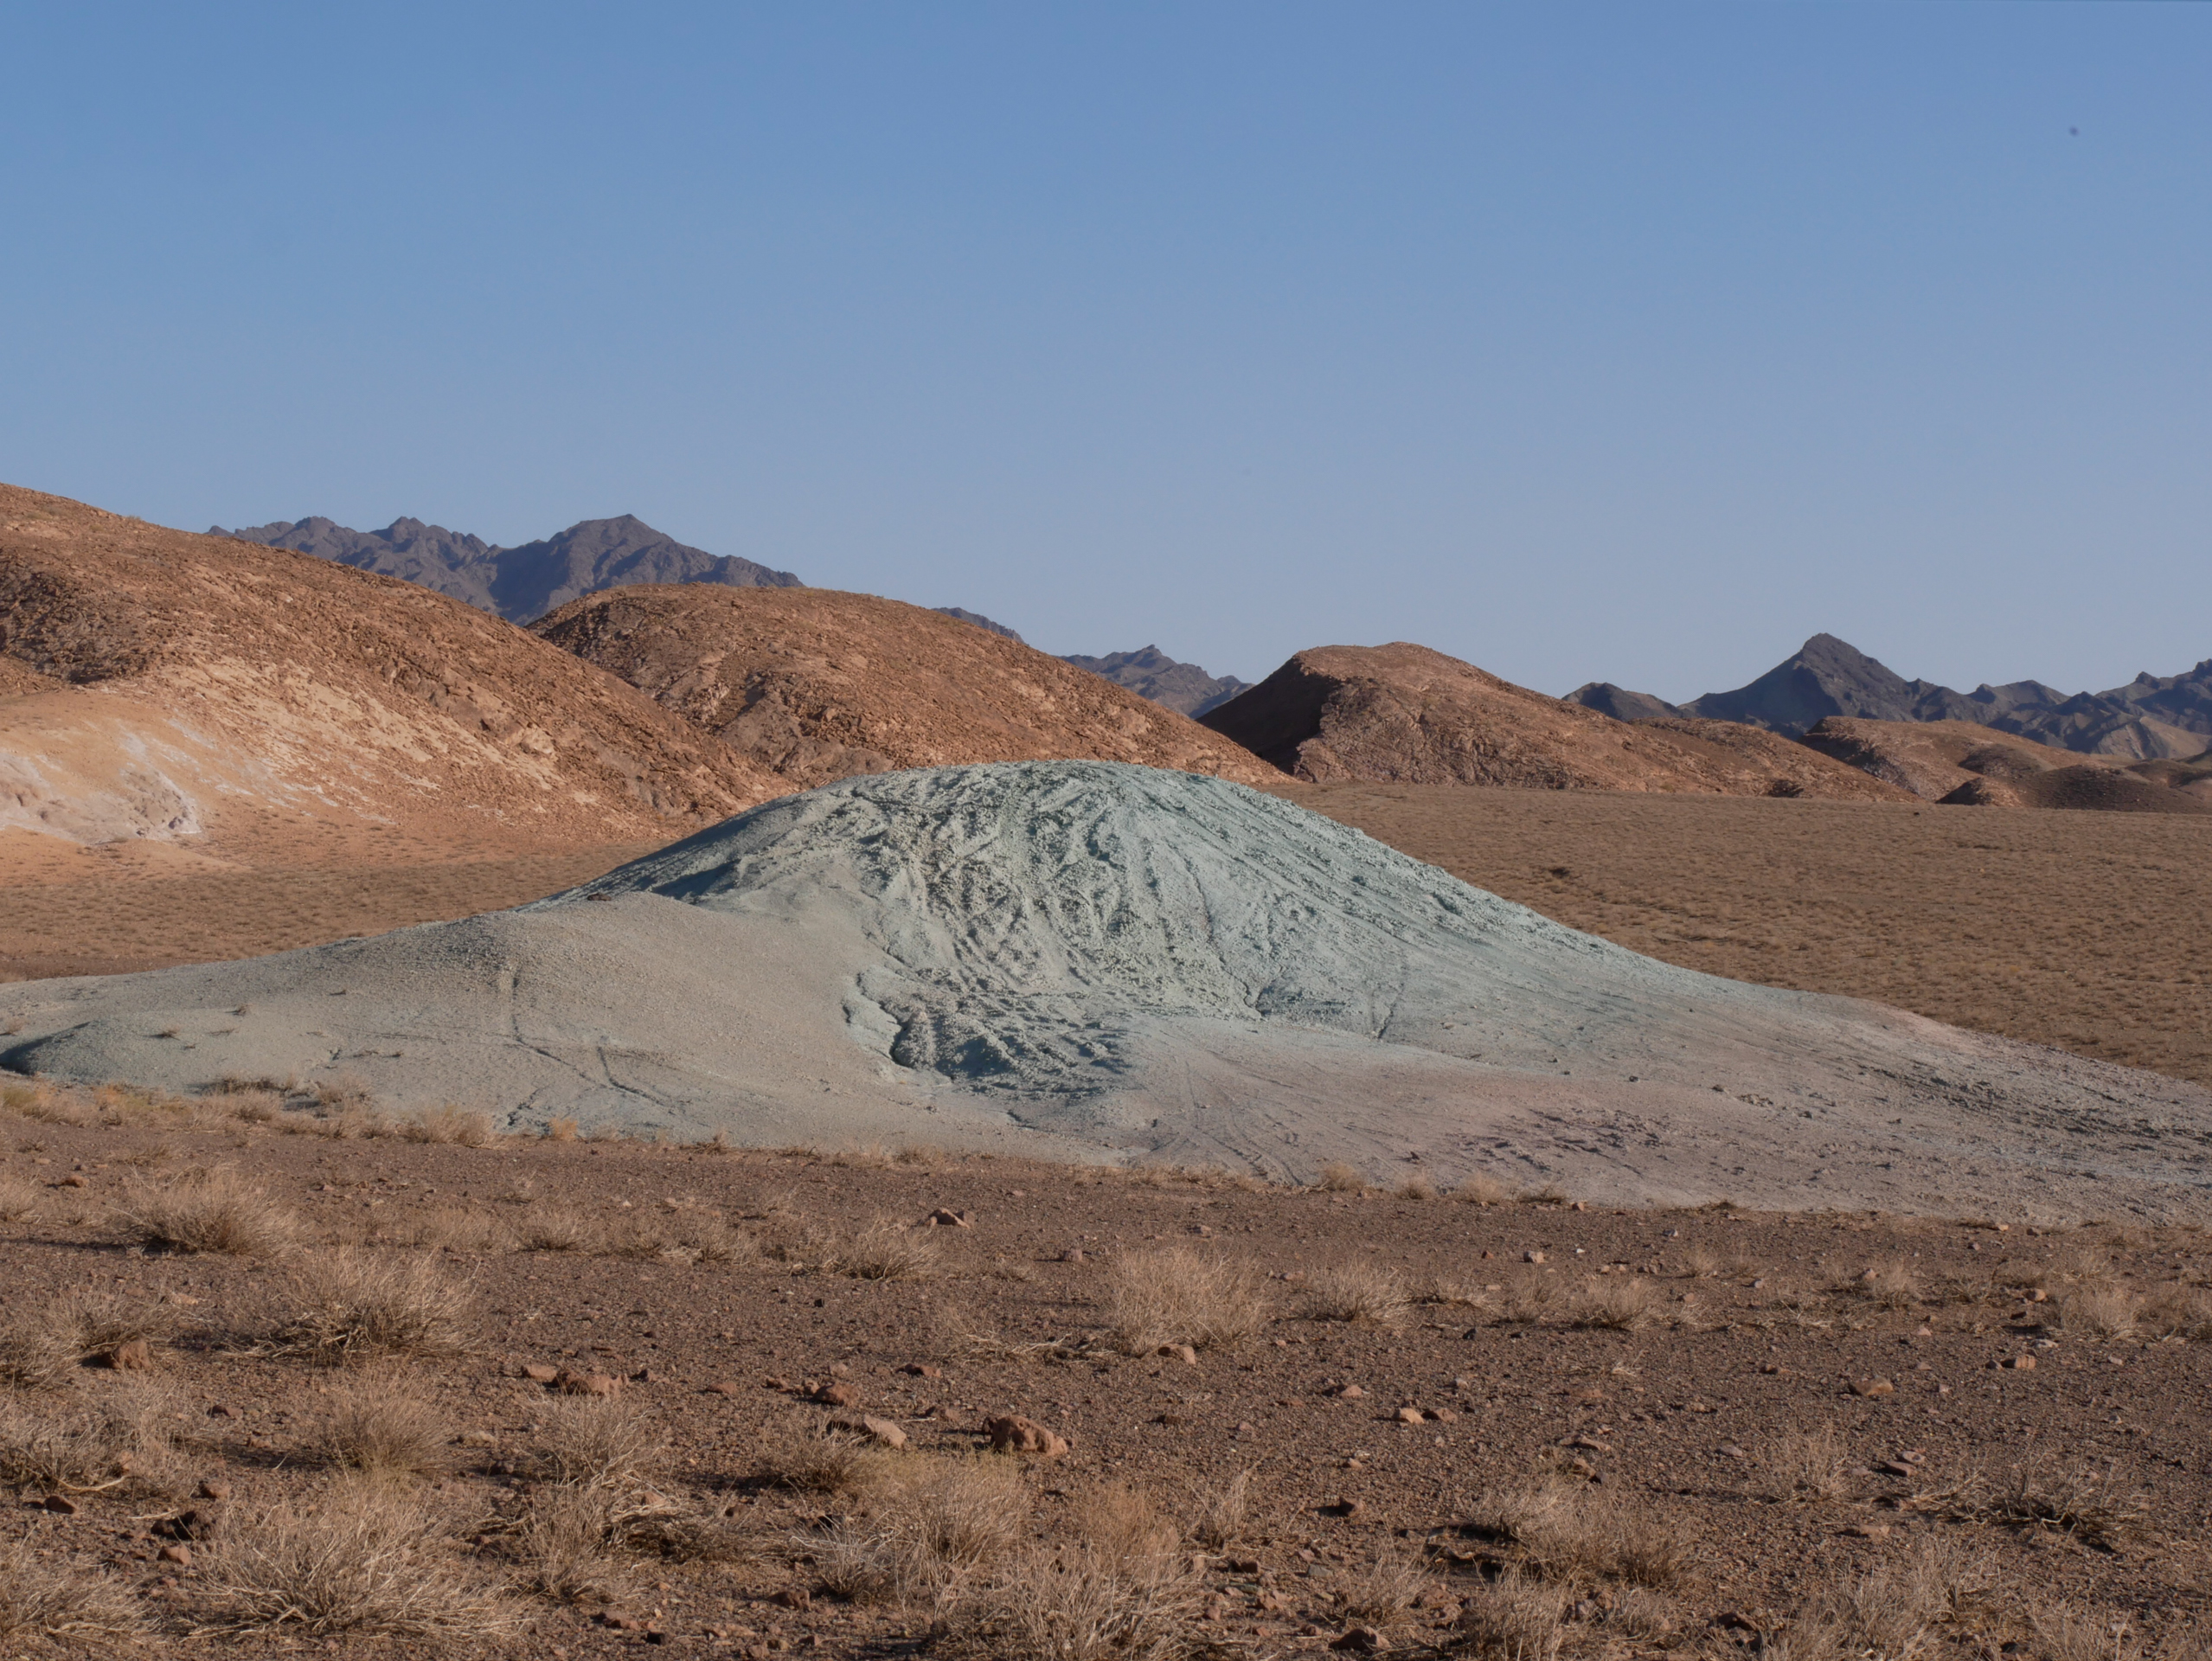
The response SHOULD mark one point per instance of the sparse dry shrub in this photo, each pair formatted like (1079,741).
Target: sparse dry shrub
(2065,1499)
(1616,1303)
(562,1546)
(1118,1522)
(1512,1619)
(1384,1592)
(558,1231)
(1479,1188)
(253,1106)
(117,1440)
(681,1235)
(95,1325)
(926,1155)
(1569,1530)
(560,1130)
(201,1211)
(931,1523)
(453,1124)
(19,1200)
(1812,1465)
(1080,1606)
(358,1558)
(595,1442)
(381,1428)
(453,1228)
(20,1099)
(1220,1510)
(343,1092)
(803,1454)
(1175,1295)
(1338,1178)
(2177,1312)
(1455,1295)
(1359,1292)
(1890,1286)
(350,1304)
(1417,1187)
(1528,1297)
(40,1598)
(885,1251)
(2069,1631)
(2098,1310)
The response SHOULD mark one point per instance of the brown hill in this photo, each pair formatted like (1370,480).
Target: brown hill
(1964,764)
(198,685)
(820,685)
(1403,713)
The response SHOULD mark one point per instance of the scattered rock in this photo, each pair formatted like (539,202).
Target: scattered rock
(1444,1415)
(2019,1363)
(834,1394)
(1873,1386)
(1345,1508)
(214,1489)
(1532,1257)
(1351,1392)
(179,1555)
(1730,1451)
(922,1370)
(479,1438)
(61,1504)
(1073,1255)
(1580,1467)
(942,1218)
(132,1357)
(778,1381)
(721,1387)
(1358,1640)
(1181,1352)
(1013,1433)
(537,1372)
(793,1597)
(570,1382)
(1410,1416)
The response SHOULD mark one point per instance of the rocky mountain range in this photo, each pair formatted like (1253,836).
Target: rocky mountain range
(1150,673)
(521,584)
(2149,718)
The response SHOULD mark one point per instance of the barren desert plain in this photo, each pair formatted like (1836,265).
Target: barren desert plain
(289,1363)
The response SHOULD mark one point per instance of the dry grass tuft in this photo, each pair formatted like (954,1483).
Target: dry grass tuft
(594,1442)
(349,1304)
(458,1125)
(1898,1610)
(1175,1295)
(1570,1532)
(1218,1514)
(885,1251)
(1812,1465)
(932,1522)
(1338,1177)
(1358,1293)
(1384,1593)
(1081,1605)
(1890,1286)
(2072,1499)
(116,1442)
(2177,1312)
(359,1559)
(379,1428)
(1479,1188)
(40,1599)
(560,1130)
(1616,1303)
(1417,1188)
(806,1456)
(1121,1522)
(19,1200)
(2098,1310)
(1512,1619)
(558,1231)
(205,1211)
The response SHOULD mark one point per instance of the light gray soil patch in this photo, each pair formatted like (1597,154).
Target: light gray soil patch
(1097,961)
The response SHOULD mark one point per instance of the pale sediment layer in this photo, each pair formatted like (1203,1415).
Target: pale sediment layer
(1088,960)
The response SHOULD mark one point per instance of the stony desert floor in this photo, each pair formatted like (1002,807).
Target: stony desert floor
(278,1375)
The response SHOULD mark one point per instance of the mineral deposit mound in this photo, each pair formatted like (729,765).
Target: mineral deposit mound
(1092,960)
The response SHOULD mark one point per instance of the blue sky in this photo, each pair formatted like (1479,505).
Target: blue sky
(1630,343)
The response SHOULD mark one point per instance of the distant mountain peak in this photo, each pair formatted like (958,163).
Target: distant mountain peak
(521,583)
(980,621)
(1152,674)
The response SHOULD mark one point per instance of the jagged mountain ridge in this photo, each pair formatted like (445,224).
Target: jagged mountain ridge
(521,584)
(1152,674)
(2149,718)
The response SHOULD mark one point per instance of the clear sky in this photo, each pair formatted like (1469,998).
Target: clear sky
(1585,342)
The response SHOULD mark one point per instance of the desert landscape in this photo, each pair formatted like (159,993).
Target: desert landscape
(754,1118)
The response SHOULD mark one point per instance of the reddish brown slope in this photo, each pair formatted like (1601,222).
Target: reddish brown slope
(1963,763)
(212,684)
(1403,713)
(820,685)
